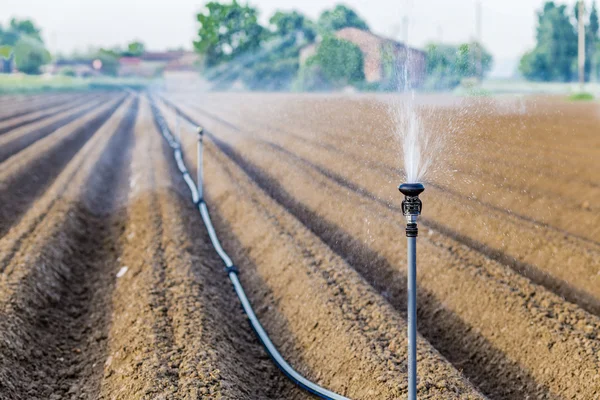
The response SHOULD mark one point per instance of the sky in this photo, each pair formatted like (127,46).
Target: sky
(508,26)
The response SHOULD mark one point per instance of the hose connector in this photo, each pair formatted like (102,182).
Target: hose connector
(411,206)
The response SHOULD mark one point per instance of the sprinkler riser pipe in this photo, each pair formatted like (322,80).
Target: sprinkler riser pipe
(200,169)
(411,209)
(412,316)
(179,128)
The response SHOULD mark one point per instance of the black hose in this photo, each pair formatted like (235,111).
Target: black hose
(230,268)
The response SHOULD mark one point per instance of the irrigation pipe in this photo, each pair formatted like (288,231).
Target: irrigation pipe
(230,268)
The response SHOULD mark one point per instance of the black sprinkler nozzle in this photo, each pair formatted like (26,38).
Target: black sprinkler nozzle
(411,206)
(411,189)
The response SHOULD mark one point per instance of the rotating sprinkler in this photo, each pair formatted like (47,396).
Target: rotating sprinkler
(411,208)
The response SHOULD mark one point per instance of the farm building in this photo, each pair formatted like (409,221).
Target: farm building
(376,50)
(151,64)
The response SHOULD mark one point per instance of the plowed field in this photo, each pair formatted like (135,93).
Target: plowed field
(110,288)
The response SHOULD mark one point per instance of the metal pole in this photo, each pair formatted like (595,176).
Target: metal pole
(581,44)
(178,127)
(479,65)
(411,208)
(199,177)
(412,318)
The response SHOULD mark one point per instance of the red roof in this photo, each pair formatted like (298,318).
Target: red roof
(130,60)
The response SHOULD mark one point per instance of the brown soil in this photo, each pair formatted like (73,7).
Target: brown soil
(510,336)
(18,139)
(110,288)
(15,122)
(18,105)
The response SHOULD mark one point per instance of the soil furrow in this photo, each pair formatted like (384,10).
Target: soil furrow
(279,250)
(18,139)
(18,234)
(486,172)
(440,326)
(176,333)
(552,317)
(558,286)
(56,308)
(17,109)
(24,178)
(544,207)
(578,284)
(35,116)
(342,327)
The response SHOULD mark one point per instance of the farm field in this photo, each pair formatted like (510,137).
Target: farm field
(110,288)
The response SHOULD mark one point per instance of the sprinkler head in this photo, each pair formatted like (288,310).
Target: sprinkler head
(411,189)
(200,131)
(411,206)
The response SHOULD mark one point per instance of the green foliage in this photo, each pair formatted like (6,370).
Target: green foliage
(293,23)
(447,65)
(555,54)
(19,83)
(340,61)
(236,47)
(5,51)
(30,55)
(340,17)
(110,61)
(277,69)
(135,49)
(277,75)
(310,78)
(18,28)
(227,31)
(582,96)
(68,72)
(591,43)
(22,40)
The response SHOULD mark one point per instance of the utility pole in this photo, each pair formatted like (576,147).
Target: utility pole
(581,43)
(479,66)
(405,29)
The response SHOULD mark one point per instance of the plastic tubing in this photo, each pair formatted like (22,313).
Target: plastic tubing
(230,268)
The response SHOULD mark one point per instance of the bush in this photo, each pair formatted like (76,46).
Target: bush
(581,96)
(68,71)
(30,55)
(340,61)
(271,75)
(311,79)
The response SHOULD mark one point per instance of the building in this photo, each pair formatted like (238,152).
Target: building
(383,58)
(152,64)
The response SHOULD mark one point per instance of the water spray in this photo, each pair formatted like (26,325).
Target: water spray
(411,208)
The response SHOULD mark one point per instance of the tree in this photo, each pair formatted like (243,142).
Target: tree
(30,55)
(135,49)
(18,28)
(340,61)
(554,56)
(227,31)
(340,17)
(21,41)
(447,65)
(110,61)
(591,41)
(293,23)
(278,67)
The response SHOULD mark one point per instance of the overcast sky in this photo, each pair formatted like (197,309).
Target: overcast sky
(508,25)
